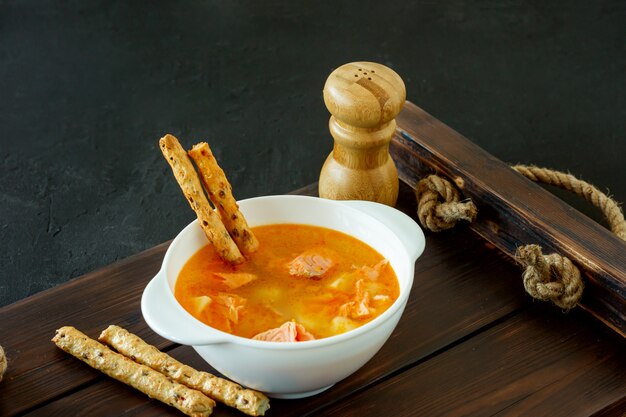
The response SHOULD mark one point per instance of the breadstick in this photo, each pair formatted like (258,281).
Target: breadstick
(190,184)
(221,194)
(248,401)
(145,379)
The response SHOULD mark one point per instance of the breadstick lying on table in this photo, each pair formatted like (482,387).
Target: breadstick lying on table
(145,379)
(188,180)
(248,401)
(220,193)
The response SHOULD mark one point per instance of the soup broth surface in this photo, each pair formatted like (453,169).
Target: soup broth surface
(323,279)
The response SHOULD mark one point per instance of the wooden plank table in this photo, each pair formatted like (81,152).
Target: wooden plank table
(469,343)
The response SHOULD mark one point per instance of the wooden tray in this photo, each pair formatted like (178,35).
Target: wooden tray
(470,342)
(514,211)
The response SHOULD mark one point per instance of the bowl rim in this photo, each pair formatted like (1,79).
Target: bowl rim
(225,338)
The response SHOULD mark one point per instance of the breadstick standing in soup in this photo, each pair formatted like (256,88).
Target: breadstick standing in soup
(220,192)
(188,180)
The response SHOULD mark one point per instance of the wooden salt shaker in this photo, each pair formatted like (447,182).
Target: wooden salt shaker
(364,98)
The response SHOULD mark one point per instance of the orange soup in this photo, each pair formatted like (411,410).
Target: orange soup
(321,279)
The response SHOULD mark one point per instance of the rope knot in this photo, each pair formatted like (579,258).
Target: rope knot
(550,277)
(438,204)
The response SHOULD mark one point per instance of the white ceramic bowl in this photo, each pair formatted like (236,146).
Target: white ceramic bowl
(301,369)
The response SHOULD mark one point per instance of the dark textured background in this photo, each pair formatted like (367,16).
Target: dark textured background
(87,88)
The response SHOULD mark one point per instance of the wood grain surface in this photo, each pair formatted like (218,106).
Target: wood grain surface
(514,211)
(469,341)
(538,363)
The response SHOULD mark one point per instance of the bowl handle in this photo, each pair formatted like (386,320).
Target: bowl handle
(168,319)
(404,227)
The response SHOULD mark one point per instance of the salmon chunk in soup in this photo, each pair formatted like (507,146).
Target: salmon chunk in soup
(303,280)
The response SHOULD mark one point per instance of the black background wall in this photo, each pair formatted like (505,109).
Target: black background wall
(87,88)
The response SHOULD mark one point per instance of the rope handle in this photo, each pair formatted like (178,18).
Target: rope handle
(546,277)
(606,204)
